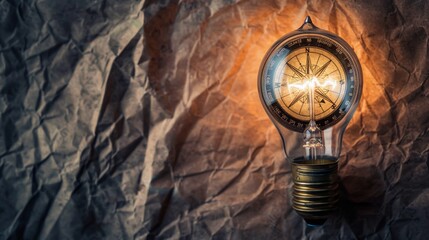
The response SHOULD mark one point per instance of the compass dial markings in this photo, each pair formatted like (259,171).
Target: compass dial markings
(300,64)
(322,68)
(320,104)
(299,76)
(323,95)
(298,97)
(300,109)
(295,70)
(318,58)
(296,74)
(336,70)
(286,95)
(288,75)
(332,91)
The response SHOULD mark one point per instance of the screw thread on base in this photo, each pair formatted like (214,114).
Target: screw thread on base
(316,190)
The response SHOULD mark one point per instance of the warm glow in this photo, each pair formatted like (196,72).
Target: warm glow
(313,82)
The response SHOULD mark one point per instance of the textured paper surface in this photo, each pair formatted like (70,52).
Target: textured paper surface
(142,120)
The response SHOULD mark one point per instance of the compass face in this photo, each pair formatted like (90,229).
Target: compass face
(308,68)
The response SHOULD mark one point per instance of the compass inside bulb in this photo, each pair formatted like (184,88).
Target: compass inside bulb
(309,68)
(309,62)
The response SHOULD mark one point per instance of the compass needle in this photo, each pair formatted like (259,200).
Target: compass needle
(307,50)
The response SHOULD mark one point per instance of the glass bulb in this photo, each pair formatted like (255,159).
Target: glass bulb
(310,83)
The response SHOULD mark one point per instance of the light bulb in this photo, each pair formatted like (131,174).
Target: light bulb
(310,83)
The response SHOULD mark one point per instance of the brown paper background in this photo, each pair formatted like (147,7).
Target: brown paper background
(142,120)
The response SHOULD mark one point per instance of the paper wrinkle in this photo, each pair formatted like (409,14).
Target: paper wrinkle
(142,120)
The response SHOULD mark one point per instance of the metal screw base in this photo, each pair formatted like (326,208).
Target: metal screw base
(315,191)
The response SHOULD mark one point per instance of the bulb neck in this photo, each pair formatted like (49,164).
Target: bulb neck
(316,189)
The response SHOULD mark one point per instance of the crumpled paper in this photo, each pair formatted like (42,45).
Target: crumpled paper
(142,120)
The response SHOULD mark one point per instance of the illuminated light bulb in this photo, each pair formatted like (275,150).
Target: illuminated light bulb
(310,83)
